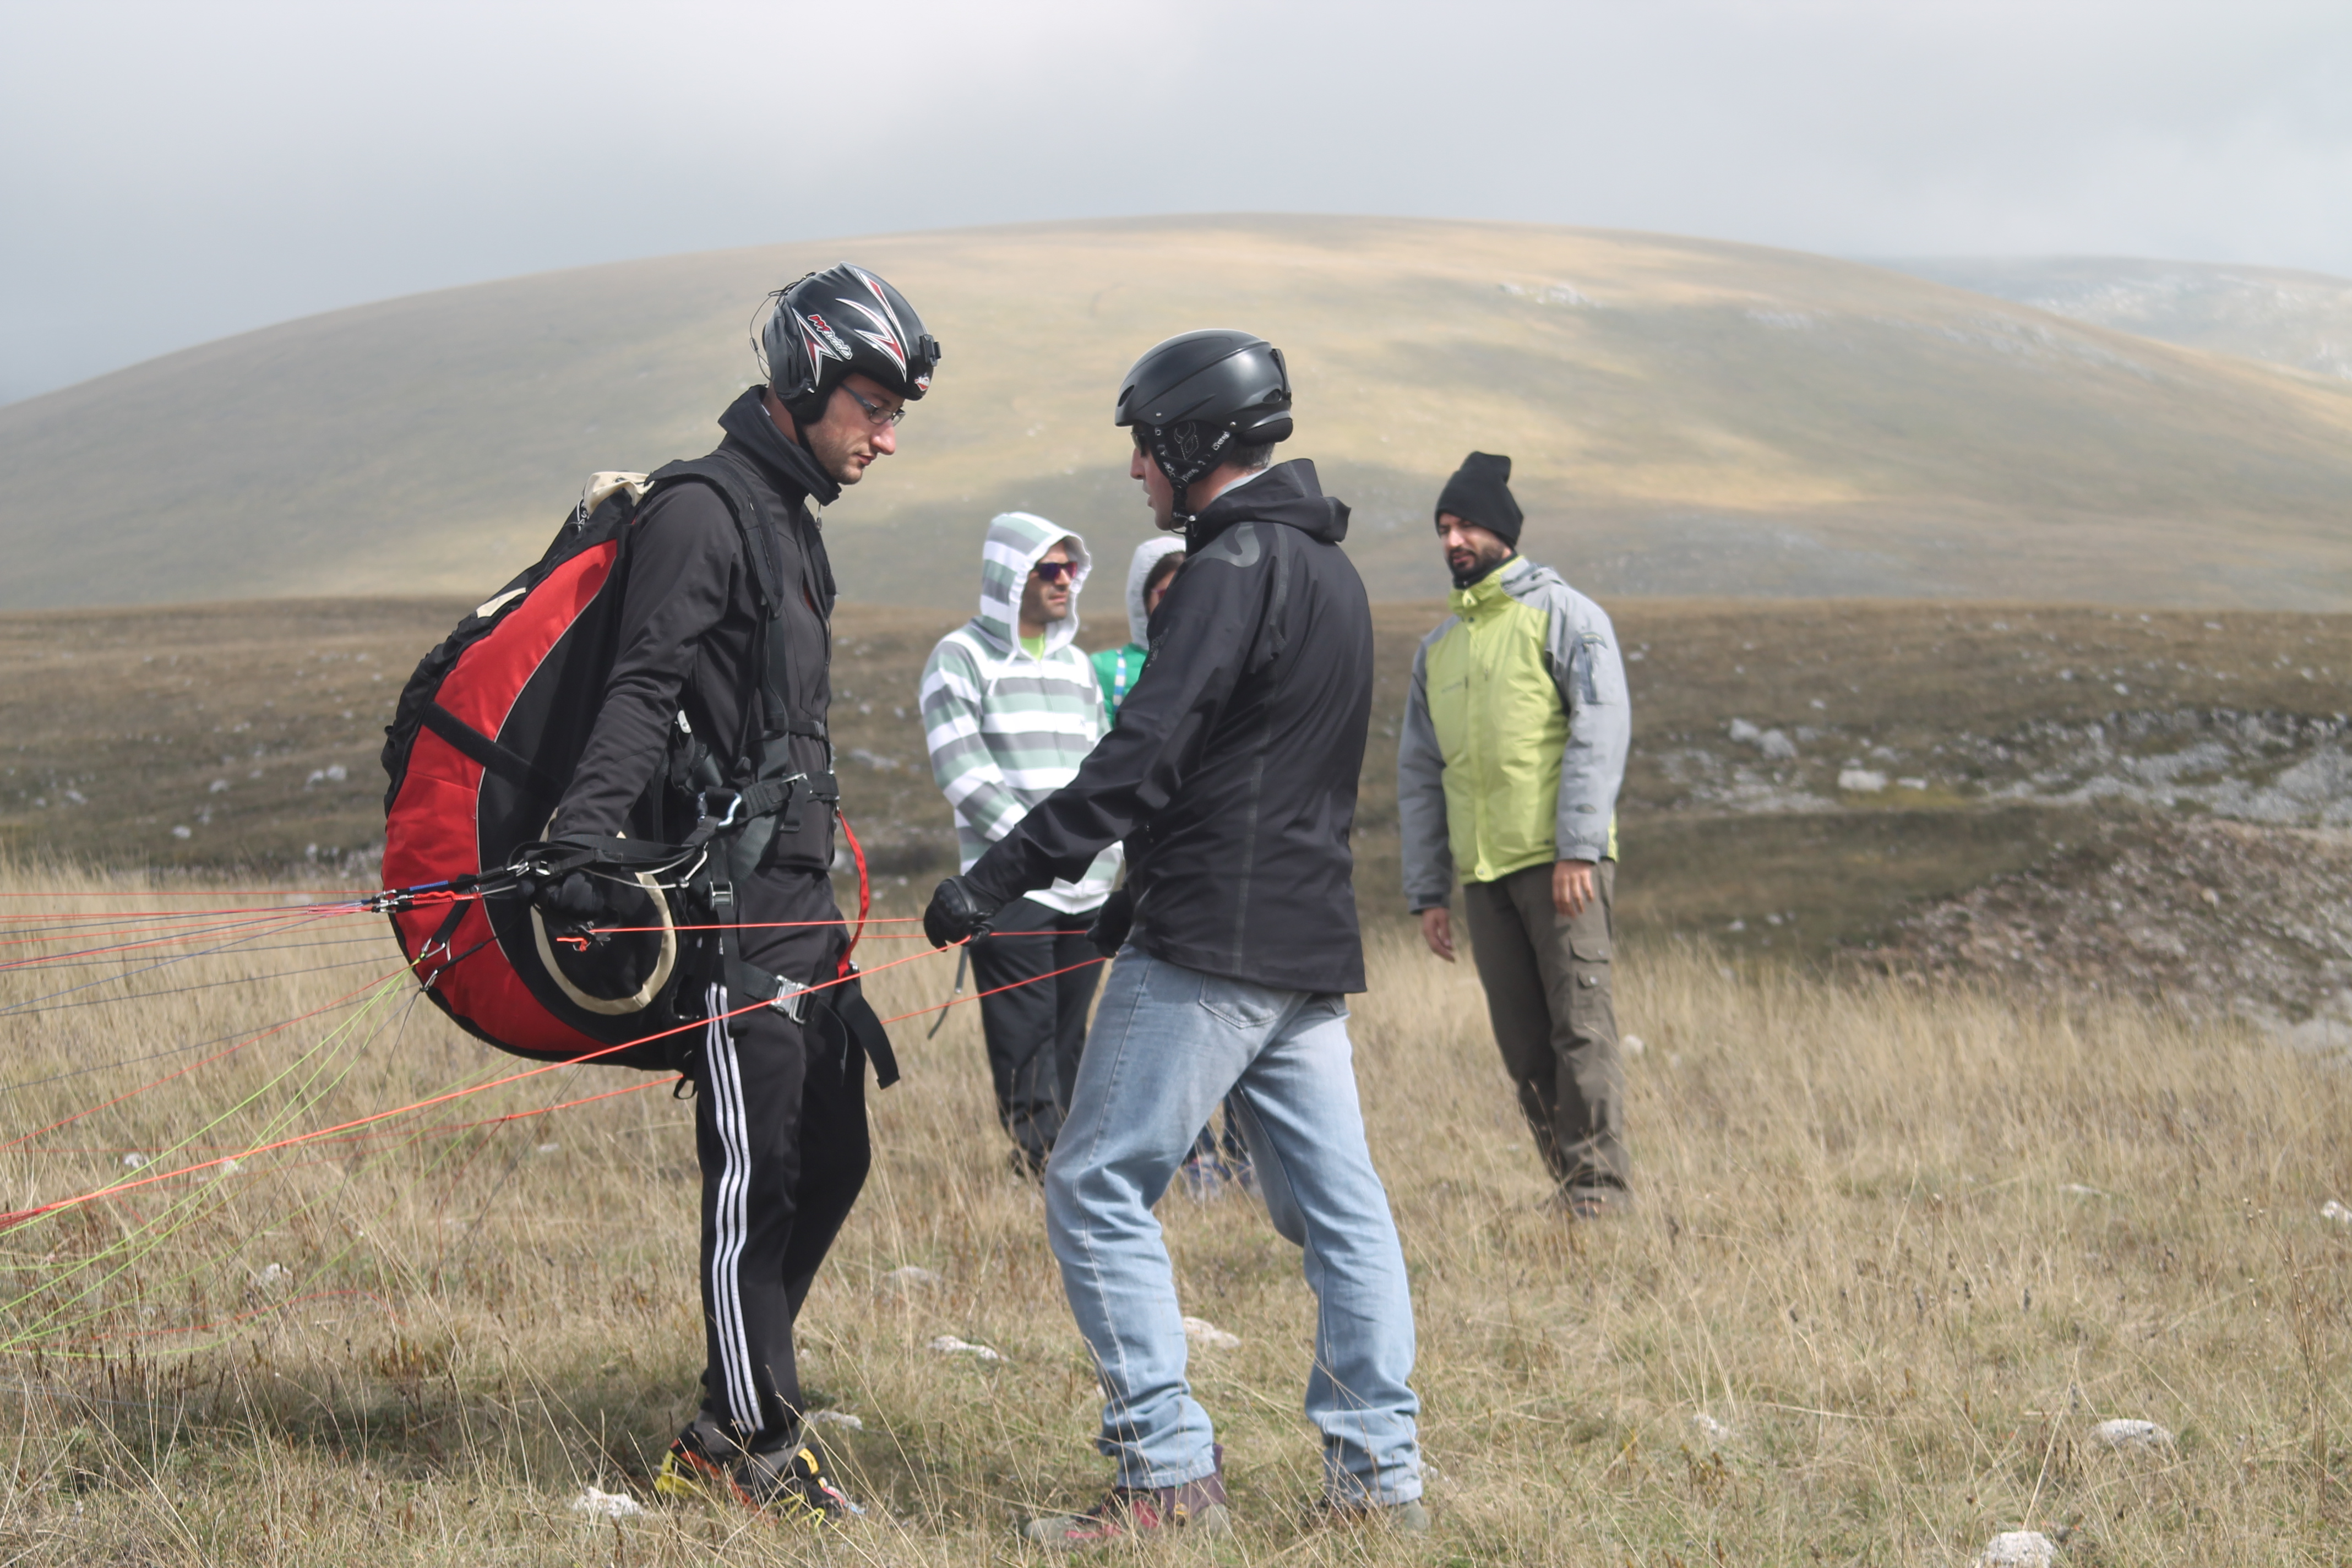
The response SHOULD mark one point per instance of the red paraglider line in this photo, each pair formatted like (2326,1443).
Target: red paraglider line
(19,1216)
(1016,985)
(290,918)
(191,1067)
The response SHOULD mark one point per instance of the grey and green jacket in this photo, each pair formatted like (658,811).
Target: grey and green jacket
(1516,731)
(1007,728)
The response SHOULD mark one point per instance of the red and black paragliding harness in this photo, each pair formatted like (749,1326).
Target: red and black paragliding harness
(486,738)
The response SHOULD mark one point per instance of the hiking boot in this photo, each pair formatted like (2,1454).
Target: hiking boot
(1130,1513)
(705,1463)
(792,1483)
(696,1465)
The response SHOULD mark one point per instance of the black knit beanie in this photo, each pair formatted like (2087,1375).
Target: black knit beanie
(1480,492)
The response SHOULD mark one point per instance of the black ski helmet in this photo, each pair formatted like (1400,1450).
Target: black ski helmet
(1197,394)
(840,320)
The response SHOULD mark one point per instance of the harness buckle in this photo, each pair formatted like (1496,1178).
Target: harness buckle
(789,998)
(702,806)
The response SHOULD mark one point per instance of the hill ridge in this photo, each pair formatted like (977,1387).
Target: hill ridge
(1685,415)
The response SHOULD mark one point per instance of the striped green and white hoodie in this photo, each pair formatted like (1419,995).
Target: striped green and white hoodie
(1007,728)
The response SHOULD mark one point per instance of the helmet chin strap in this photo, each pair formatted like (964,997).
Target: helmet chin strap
(1180,453)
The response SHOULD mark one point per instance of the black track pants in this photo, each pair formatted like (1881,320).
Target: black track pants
(1037,1031)
(779,1127)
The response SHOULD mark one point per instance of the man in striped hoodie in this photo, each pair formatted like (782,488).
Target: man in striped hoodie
(1009,709)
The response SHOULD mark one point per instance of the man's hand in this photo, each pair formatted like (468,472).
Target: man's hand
(958,913)
(1437,930)
(575,900)
(1571,887)
(1112,923)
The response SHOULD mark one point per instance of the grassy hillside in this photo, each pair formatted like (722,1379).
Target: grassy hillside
(1806,776)
(1687,417)
(1895,1260)
(2302,319)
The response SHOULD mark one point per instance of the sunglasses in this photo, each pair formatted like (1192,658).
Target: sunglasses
(1054,570)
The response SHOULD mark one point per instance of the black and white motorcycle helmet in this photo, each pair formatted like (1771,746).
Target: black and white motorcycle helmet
(1198,395)
(841,319)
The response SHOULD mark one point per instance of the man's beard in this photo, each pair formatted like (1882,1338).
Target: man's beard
(1479,569)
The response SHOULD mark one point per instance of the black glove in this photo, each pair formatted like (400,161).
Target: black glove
(958,912)
(575,899)
(1112,923)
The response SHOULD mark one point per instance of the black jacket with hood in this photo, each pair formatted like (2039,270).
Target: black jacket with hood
(1231,772)
(689,633)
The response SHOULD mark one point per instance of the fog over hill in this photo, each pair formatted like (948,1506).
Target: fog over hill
(2290,318)
(1687,416)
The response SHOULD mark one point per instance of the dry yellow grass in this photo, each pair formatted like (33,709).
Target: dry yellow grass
(1908,1248)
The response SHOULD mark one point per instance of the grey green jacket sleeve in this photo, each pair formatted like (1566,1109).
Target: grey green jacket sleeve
(1590,671)
(1420,793)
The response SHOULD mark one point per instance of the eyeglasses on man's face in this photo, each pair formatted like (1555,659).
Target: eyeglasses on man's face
(1054,570)
(876,414)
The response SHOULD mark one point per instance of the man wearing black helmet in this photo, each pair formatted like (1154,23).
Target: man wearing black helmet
(1231,776)
(727,655)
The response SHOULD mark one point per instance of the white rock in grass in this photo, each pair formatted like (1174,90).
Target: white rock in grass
(2019,1549)
(606,1505)
(1209,1336)
(133,1162)
(1632,1045)
(948,1344)
(911,1279)
(841,1418)
(2132,1436)
(2333,1210)
(1709,1427)
(271,1277)
(1861,781)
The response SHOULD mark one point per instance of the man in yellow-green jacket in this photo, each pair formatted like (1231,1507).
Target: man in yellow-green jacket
(1516,731)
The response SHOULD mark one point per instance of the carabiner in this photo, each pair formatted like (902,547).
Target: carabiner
(702,807)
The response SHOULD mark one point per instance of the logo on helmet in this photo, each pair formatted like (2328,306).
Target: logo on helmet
(823,342)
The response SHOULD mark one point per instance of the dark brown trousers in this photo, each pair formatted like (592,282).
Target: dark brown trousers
(1546,981)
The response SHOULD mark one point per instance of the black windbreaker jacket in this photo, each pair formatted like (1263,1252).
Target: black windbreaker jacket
(688,634)
(1232,772)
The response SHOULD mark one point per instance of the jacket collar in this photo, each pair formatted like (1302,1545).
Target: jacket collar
(786,464)
(1490,590)
(1287,493)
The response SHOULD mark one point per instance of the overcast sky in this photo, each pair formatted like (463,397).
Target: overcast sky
(173,173)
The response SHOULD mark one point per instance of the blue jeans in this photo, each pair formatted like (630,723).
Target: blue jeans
(1166,1044)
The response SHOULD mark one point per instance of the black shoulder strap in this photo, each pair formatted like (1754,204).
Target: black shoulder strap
(764,709)
(759,548)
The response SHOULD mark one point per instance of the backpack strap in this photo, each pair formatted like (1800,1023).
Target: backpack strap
(759,549)
(513,766)
(766,677)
